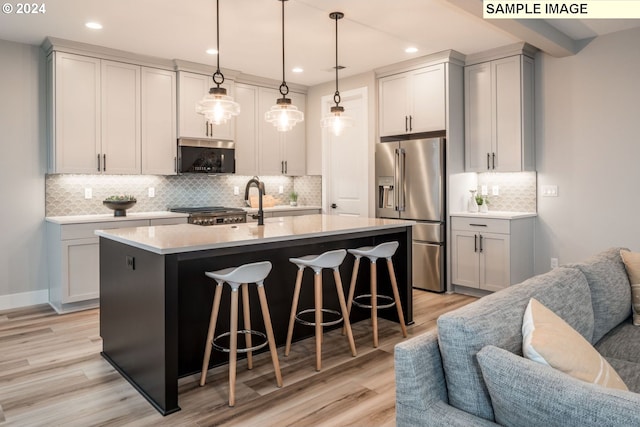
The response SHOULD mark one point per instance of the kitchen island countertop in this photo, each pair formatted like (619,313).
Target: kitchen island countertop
(171,239)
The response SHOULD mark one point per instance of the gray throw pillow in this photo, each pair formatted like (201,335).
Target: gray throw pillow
(525,393)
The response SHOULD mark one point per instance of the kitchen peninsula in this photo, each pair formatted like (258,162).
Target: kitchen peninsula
(155,300)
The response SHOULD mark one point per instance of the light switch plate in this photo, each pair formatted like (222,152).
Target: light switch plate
(236,190)
(281,189)
(152,192)
(88,193)
(549,190)
(495,190)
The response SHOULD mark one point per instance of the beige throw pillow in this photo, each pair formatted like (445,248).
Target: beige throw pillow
(632,264)
(549,340)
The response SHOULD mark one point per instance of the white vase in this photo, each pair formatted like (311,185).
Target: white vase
(472,205)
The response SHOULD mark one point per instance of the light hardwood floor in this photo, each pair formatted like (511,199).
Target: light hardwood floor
(51,374)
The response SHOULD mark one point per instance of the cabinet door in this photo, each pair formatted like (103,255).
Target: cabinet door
(80,269)
(495,261)
(506,77)
(294,142)
(192,88)
(121,136)
(427,97)
(271,161)
(478,117)
(247,130)
(159,147)
(76,112)
(465,262)
(393,105)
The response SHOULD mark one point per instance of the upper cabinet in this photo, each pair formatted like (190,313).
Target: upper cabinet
(499,115)
(192,87)
(412,101)
(247,130)
(109,117)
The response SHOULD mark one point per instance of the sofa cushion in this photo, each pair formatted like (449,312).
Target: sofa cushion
(525,393)
(622,342)
(632,264)
(610,290)
(628,371)
(548,340)
(497,320)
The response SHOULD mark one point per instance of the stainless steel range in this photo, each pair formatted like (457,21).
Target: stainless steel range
(213,215)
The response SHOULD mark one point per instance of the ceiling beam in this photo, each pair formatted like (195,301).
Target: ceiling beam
(536,32)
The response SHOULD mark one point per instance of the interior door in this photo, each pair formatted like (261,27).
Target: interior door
(347,155)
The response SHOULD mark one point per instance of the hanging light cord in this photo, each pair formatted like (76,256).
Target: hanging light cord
(218,75)
(284,89)
(336,96)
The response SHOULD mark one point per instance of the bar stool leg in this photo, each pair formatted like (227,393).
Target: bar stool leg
(294,308)
(374,303)
(396,296)
(345,312)
(212,329)
(352,288)
(246,312)
(270,338)
(317,285)
(233,347)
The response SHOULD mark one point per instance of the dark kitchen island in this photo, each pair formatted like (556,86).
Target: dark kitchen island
(155,300)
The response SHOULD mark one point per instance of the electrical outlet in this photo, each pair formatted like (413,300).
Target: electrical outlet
(484,190)
(554,263)
(281,189)
(236,190)
(495,190)
(88,193)
(152,192)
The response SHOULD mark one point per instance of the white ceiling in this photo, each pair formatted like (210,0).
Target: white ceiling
(373,33)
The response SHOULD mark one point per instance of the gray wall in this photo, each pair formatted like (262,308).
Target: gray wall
(22,168)
(588,143)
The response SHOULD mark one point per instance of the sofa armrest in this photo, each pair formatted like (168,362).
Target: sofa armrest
(421,390)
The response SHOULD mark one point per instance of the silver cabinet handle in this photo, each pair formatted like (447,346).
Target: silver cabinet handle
(98,162)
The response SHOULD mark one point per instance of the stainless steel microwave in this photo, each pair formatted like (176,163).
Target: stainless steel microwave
(206,156)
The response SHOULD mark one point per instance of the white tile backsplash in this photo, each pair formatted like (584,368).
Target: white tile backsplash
(517,191)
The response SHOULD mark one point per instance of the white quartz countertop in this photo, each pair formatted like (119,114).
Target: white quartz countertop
(131,216)
(282,208)
(170,239)
(496,215)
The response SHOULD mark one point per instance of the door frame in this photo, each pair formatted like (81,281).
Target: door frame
(326,102)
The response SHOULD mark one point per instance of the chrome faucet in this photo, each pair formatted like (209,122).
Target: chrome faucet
(256,181)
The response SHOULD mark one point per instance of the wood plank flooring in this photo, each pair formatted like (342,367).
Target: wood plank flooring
(51,374)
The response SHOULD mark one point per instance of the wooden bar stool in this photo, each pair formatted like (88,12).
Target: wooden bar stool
(333,260)
(383,250)
(238,277)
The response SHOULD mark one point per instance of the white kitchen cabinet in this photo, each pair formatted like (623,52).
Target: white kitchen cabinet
(192,87)
(413,101)
(491,254)
(280,153)
(159,147)
(247,130)
(499,115)
(74,260)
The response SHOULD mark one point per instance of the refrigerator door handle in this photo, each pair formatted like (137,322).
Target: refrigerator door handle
(396,178)
(402,163)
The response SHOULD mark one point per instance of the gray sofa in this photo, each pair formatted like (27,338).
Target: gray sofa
(471,371)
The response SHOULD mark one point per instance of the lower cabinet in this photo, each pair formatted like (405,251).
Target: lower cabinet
(74,261)
(285,212)
(490,254)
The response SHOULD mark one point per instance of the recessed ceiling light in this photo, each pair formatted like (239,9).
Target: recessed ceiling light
(93,25)
(411,50)
(212,51)
(297,70)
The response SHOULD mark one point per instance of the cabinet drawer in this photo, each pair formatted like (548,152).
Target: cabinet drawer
(487,225)
(167,221)
(85,231)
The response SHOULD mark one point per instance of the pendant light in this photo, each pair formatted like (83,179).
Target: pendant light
(336,121)
(217,106)
(284,115)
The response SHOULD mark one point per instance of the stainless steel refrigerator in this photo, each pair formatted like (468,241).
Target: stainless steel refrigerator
(410,185)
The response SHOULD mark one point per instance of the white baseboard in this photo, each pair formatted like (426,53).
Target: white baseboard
(24,299)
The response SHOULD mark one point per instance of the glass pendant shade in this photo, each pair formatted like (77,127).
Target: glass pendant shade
(284,115)
(336,120)
(218,107)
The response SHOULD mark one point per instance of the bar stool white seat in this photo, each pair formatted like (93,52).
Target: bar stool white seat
(333,260)
(384,250)
(240,277)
